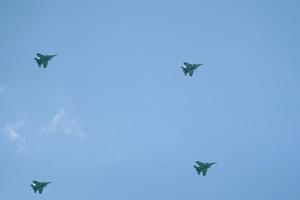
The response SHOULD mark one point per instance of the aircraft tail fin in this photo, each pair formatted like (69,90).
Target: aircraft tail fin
(38,62)
(197,169)
(184,70)
(34,188)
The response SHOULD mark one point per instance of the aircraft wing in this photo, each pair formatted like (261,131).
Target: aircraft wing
(40,189)
(191,72)
(204,170)
(45,63)
(41,56)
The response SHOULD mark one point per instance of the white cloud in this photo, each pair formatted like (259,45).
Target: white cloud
(12,131)
(62,123)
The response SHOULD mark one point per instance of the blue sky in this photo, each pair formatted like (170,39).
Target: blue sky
(113,116)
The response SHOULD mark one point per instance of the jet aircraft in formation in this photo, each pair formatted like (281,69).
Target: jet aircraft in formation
(39,186)
(203,167)
(188,68)
(43,59)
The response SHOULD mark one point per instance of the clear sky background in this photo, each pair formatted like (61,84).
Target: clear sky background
(114,117)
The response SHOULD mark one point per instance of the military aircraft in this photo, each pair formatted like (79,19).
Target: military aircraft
(188,68)
(43,59)
(202,167)
(39,186)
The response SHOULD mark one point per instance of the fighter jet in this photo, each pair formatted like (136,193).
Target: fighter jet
(39,186)
(43,59)
(202,167)
(188,68)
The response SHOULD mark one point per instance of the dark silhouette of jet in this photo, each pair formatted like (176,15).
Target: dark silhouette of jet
(202,167)
(43,59)
(39,186)
(188,68)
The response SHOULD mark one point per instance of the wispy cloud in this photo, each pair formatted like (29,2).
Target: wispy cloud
(14,135)
(61,123)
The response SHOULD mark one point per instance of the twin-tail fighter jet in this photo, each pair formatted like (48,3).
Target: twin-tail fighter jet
(39,186)
(43,59)
(188,68)
(202,167)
